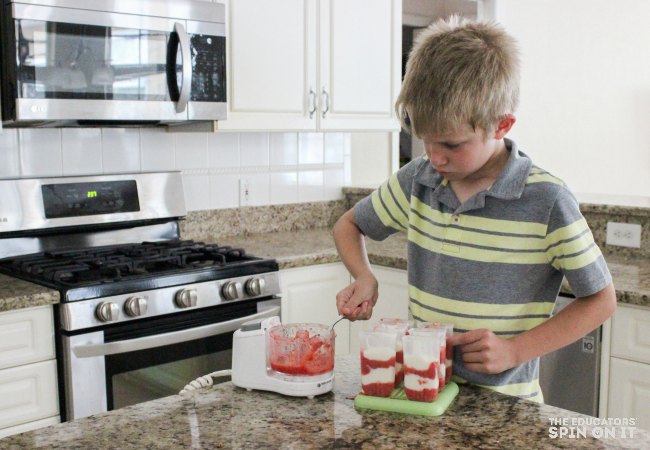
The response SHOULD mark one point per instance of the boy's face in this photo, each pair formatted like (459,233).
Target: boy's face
(465,153)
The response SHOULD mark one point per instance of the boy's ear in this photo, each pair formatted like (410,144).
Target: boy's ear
(504,126)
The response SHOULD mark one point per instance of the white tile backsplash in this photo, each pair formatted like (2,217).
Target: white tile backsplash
(333,182)
(310,186)
(197,191)
(223,150)
(40,152)
(254,148)
(121,150)
(278,168)
(224,190)
(284,188)
(284,149)
(9,156)
(310,148)
(156,150)
(191,150)
(82,151)
(334,148)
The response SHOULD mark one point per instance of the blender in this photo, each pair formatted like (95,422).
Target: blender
(291,359)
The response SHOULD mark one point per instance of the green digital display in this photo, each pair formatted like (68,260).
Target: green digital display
(91,194)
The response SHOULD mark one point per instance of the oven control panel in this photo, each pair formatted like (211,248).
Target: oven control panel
(84,314)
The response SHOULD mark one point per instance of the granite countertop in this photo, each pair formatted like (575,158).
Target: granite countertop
(316,246)
(301,248)
(16,294)
(224,416)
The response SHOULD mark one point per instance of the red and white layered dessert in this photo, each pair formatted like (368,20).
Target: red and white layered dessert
(442,368)
(449,358)
(378,371)
(421,378)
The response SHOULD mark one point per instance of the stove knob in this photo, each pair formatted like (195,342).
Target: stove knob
(135,306)
(107,311)
(186,298)
(230,290)
(254,286)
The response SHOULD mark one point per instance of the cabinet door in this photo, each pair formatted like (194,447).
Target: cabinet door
(392,302)
(271,58)
(360,63)
(309,295)
(629,391)
(631,333)
(28,393)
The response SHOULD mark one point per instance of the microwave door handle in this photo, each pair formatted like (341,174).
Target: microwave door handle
(175,337)
(180,94)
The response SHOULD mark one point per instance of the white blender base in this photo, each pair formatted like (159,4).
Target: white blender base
(249,365)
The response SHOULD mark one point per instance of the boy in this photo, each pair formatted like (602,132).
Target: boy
(490,235)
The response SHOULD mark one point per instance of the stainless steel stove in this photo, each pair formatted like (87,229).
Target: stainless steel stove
(142,312)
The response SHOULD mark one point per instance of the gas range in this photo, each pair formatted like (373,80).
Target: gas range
(107,284)
(125,282)
(139,305)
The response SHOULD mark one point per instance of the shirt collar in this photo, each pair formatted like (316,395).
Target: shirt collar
(508,186)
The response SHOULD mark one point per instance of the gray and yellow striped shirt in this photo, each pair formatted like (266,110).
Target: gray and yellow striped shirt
(496,261)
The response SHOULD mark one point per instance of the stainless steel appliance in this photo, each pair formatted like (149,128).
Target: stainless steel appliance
(570,376)
(141,311)
(112,62)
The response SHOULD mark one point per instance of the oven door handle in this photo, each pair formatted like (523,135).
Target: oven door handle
(160,340)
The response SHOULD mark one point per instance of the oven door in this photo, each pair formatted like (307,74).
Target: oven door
(144,360)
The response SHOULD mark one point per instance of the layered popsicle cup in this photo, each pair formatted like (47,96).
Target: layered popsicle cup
(400,328)
(378,360)
(447,349)
(421,367)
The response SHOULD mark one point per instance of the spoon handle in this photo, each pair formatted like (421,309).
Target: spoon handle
(341,317)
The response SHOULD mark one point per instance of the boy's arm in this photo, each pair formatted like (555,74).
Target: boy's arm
(485,352)
(356,300)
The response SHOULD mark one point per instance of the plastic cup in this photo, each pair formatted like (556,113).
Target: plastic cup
(401,328)
(439,334)
(377,362)
(448,350)
(421,366)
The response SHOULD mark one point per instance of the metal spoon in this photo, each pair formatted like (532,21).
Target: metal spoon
(341,317)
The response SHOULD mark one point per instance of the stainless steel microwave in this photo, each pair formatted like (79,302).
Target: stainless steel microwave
(112,62)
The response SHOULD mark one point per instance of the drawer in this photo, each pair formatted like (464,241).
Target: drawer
(631,334)
(28,393)
(26,336)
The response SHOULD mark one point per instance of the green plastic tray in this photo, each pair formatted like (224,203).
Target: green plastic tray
(397,402)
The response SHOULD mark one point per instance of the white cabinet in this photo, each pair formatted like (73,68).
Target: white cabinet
(629,391)
(313,64)
(392,302)
(28,383)
(629,369)
(309,295)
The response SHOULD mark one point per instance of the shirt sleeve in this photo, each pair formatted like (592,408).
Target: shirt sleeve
(571,247)
(386,210)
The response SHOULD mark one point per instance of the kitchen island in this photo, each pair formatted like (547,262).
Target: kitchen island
(224,416)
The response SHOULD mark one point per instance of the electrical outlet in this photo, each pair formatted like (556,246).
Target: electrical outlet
(244,192)
(624,234)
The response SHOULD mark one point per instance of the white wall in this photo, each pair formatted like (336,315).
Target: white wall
(585,104)
(277,168)
(371,158)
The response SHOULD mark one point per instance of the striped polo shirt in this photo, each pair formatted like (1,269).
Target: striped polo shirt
(496,261)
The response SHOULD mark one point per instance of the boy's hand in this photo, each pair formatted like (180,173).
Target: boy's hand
(357,300)
(485,352)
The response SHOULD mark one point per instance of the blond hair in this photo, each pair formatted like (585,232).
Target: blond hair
(459,72)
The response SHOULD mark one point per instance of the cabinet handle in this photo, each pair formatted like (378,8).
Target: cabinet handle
(312,103)
(327,102)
